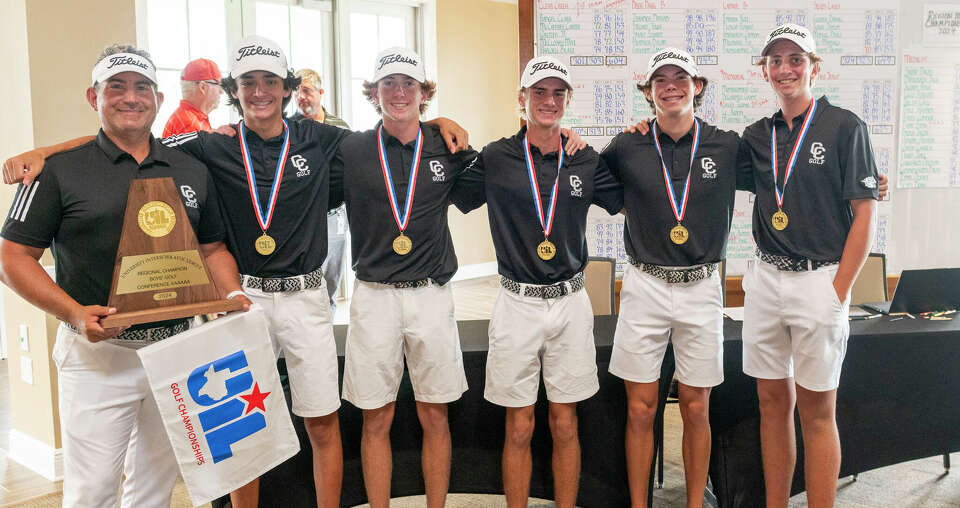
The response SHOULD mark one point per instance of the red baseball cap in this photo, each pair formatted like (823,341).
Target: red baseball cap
(200,69)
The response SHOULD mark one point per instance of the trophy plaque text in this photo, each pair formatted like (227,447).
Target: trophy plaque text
(159,272)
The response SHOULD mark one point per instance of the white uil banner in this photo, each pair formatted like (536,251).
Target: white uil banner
(221,401)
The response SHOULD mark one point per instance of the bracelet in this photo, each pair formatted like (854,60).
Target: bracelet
(235,293)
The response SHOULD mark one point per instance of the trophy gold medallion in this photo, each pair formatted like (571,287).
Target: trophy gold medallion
(159,273)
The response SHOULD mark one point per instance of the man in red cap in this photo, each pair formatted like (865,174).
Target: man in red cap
(200,85)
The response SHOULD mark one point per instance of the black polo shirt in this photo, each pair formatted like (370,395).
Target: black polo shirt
(309,189)
(498,177)
(76,208)
(633,160)
(373,227)
(835,164)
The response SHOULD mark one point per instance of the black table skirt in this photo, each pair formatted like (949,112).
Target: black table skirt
(897,402)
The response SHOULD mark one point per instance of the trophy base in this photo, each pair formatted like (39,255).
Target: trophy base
(172,312)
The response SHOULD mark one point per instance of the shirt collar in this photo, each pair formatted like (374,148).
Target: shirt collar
(518,142)
(822,104)
(685,138)
(114,153)
(389,139)
(195,110)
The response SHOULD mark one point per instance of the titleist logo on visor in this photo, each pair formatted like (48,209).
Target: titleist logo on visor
(669,54)
(389,59)
(126,60)
(787,30)
(246,51)
(545,66)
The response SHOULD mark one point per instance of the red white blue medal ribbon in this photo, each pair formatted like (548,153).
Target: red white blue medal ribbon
(264,217)
(793,155)
(546,222)
(402,220)
(679,209)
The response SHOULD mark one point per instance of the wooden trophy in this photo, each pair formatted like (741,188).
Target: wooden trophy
(159,273)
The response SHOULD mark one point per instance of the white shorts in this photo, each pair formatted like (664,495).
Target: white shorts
(110,425)
(653,313)
(794,326)
(527,332)
(388,324)
(300,324)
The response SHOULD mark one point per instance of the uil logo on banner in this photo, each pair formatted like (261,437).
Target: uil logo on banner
(232,401)
(816,151)
(709,167)
(437,168)
(576,186)
(300,162)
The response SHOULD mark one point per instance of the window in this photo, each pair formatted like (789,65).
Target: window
(179,31)
(368,28)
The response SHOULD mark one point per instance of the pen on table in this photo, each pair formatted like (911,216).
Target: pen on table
(862,318)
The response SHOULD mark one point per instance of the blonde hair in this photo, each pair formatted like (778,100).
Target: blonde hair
(309,76)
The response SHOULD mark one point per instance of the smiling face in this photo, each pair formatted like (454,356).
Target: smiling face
(399,97)
(545,102)
(261,95)
(672,91)
(790,71)
(126,103)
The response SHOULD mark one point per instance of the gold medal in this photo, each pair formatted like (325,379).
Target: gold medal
(779,220)
(679,234)
(265,245)
(546,250)
(402,245)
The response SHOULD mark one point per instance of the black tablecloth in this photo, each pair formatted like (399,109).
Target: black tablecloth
(897,402)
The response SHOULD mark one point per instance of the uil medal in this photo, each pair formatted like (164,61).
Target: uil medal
(265,245)
(546,250)
(679,234)
(402,245)
(779,220)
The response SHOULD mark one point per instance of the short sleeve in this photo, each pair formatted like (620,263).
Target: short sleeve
(610,157)
(744,167)
(211,228)
(858,167)
(607,191)
(469,193)
(35,214)
(190,142)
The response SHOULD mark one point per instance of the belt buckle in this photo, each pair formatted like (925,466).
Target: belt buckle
(564,291)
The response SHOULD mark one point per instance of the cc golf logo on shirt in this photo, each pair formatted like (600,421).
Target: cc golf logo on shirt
(437,168)
(300,162)
(576,186)
(709,167)
(869,182)
(233,406)
(816,151)
(190,196)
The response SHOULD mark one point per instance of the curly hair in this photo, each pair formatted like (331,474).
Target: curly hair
(697,99)
(229,85)
(427,88)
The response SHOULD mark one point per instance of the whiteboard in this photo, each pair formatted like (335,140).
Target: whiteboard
(606,45)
